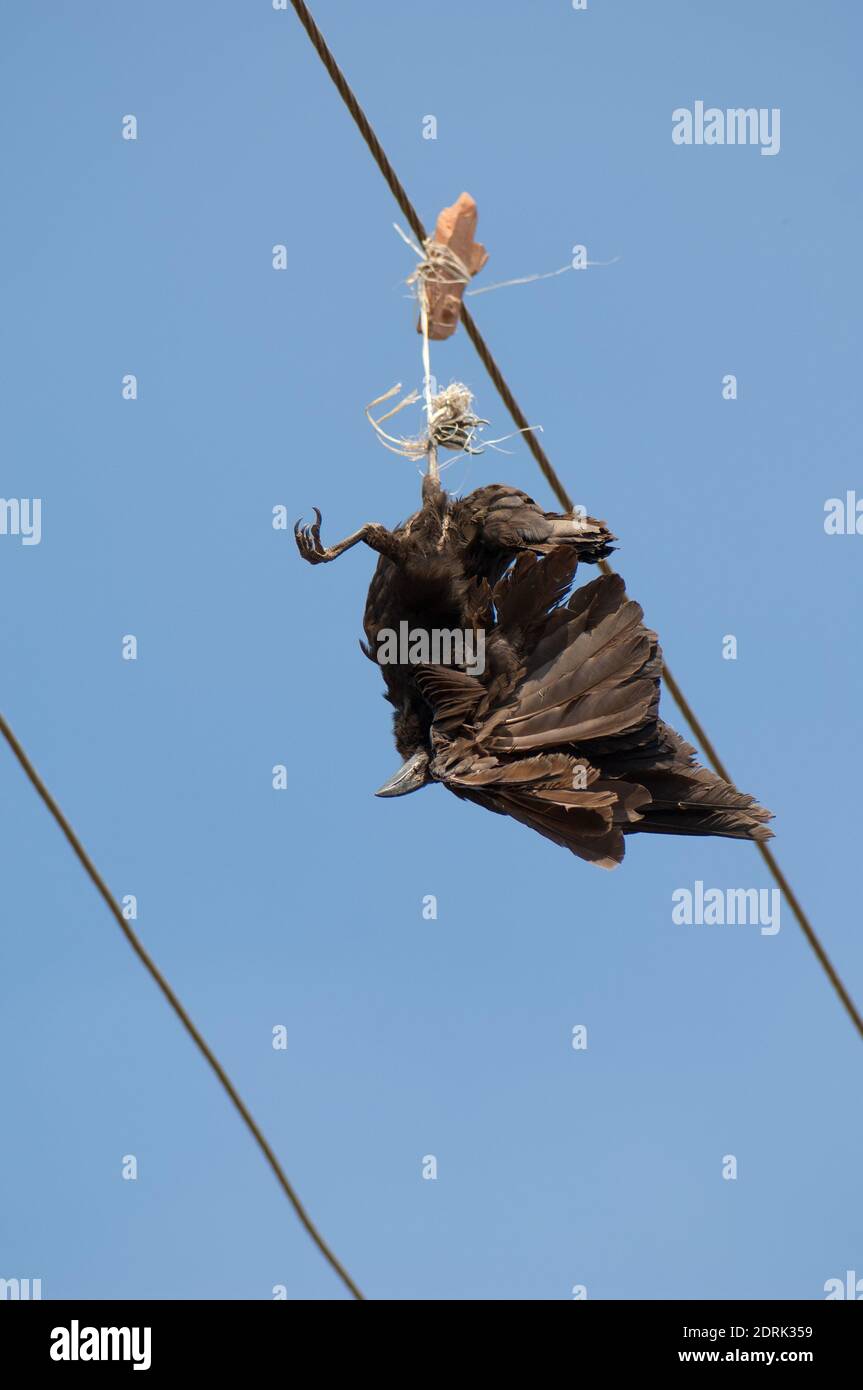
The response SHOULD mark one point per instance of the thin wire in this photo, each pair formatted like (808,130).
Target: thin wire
(545,464)
(176,1005)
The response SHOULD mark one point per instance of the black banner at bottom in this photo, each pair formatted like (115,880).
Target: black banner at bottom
(68,1337)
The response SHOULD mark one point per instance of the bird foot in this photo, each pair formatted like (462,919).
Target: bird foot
(308,540)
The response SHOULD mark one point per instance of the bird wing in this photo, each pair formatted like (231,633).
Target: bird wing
(504,519)
(594,673)
(570,744)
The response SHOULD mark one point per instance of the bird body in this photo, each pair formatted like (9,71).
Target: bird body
(447,558)
(561,729)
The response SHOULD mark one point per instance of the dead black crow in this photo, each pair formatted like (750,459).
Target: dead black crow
(558,726)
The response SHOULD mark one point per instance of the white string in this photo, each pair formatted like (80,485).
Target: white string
(548,275)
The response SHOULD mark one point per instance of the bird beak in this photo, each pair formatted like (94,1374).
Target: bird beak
(410,777)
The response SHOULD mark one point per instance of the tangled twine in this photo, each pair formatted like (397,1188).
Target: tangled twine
(439,264)
(452,423)
(435,261)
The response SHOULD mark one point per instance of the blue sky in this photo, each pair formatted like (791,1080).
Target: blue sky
(303,907)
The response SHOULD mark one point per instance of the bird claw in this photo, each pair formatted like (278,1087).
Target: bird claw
(308,540)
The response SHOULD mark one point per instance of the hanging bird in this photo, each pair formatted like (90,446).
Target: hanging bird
(560,729)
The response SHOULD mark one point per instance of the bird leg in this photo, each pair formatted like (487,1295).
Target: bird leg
(374,535)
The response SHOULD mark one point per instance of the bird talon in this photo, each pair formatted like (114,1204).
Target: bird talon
(308,539)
